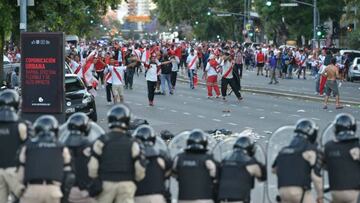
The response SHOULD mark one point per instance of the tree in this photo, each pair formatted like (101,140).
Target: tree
(7,9)
(353,17)
(294,22)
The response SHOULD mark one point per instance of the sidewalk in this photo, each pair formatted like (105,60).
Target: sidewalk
(298,88)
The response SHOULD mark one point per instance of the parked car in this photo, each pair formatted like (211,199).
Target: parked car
(354,70)
(8,66)
(77,97)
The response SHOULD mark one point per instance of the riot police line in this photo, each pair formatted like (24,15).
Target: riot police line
(80,162)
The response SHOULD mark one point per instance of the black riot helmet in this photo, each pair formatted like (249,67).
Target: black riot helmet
(308,129)
(119,117)
(9,98)
(345,127)
(245,144)
(197,141)
(145,134)
(46,125)
(79,123)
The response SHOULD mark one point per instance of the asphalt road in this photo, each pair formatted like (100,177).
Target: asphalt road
(188,109)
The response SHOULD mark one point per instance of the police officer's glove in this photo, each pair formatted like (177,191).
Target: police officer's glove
(67,183)
(95,187)
(319,163)
(263,172)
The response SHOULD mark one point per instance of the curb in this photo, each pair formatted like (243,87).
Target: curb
(282,94)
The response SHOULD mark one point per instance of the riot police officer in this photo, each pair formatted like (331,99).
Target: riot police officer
(152,188)
(237,172)
(13,133)
(195,170)
(296,166)
(116,159)
(342,159)
(43,162)
(77,132)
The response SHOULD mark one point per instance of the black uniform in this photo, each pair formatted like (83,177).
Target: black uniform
(235,182)
(155,175)
(121,166)
(291,157)
(344,171)
(51,165)
(194,178)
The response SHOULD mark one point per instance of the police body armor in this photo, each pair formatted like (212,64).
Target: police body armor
(236,187)
(79,161)
(194,179)
(116,162)
(344,172)
(44,161)
(289,162)
(340,173)
(154,181)
(292,168)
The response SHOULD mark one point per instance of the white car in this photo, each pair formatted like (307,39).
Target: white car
(354,70)
(8,66)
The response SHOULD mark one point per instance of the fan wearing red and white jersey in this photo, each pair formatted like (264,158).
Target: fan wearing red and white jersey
(117,77)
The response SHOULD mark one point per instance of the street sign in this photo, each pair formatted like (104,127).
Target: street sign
(29,3)
(42,73)
(223,14)
(289,4)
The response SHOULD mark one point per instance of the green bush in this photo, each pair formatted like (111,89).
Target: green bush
(354,39)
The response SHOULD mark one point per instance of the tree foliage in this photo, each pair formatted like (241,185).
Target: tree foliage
(293,22)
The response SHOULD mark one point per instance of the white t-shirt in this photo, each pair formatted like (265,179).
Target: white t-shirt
(210,70)
(192,61)
(151,73)
(226,65)
(116,80)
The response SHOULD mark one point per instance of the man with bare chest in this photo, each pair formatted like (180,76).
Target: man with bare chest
(332,73)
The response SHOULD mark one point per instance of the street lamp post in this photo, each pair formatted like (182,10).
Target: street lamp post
(315,14)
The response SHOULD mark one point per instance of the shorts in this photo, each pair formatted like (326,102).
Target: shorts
(331,86)
(260,65)
(118,90)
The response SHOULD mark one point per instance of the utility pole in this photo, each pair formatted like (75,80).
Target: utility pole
(23,15)
(314,21)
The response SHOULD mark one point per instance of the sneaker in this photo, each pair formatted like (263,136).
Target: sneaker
(240,98)
(131,87)
(270,83)
(217,97)
(224,99)
(325,107)
(210,97)
(151,103)
(339,107)
(109,103)
(126,87)
(171,92)
(277,82)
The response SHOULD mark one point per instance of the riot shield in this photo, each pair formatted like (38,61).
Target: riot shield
(329,135)
(225,148)
(278,140)
(95,132)
(178,145)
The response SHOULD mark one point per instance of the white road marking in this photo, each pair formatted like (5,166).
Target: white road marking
(294,115)
(262,117)
(316,119)
(267,132)
(226,115)
(216,120)
(187,113)
(276,112)
(233,124)
(200,116)
(173,110)
(301,111)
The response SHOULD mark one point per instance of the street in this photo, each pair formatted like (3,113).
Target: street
(188,109)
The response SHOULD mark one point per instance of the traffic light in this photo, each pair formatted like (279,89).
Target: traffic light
(321,32)
(209,13)
(268,3)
